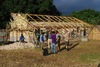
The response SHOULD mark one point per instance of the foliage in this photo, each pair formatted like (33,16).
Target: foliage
(25,6)
(88,15)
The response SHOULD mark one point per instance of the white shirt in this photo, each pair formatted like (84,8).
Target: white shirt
(66,36)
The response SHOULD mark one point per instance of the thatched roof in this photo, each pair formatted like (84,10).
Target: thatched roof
(31,21)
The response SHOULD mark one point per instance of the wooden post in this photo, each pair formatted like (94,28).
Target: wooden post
(3,34)
(16,35)
(28,37)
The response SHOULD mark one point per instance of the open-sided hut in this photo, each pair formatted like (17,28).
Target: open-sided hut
(29,23)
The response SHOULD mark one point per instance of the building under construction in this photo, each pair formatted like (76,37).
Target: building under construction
(28,24)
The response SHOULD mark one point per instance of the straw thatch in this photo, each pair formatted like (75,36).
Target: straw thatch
(95,33)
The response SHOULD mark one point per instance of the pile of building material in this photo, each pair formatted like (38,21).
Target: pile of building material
(17,45)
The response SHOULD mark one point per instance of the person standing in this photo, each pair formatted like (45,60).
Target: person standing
(49,39)
(58,39)
(37,39)
(66,37)
(22,38)
(53,44)
(42,40)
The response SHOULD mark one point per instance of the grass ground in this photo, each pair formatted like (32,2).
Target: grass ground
(84,54)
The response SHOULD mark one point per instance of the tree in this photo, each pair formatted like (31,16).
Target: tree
(25,6)
(47,7)
(4,15)
(88,15)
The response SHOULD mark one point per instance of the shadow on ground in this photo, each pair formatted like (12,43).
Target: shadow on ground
(71,46)
(99,65)
(6,42)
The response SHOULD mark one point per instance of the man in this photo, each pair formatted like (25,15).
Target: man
(66,37)
(49,39)
(42,39)
(53,44)
(58,37)
(37,39)
(22,38)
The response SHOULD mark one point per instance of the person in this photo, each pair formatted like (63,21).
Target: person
(37,38)
(21,38)
(42,40)
(49,39)
(53,44)
(66,37)
(58,39)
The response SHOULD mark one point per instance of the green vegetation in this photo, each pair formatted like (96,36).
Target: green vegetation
(88,15)
(88,58)
(86,54)
(41,7)
(25,6)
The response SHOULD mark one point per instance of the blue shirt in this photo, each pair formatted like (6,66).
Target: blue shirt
(41,38)
(21,38)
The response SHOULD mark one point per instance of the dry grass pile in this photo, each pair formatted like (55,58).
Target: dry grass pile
(16,45)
